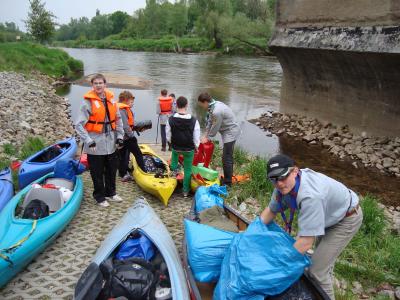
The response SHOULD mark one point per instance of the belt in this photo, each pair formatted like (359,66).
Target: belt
(352,211)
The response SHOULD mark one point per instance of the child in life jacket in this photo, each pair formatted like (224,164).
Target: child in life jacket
(164,108)
(126,100)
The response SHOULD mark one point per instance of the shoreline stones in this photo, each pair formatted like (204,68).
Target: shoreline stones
(30,107)
(382,153)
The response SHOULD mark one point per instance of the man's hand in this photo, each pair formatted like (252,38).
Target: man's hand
(304,243)
(267,215)
(120,143)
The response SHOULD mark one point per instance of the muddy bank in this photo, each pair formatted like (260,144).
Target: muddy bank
(382,153)
(366,164)
(30,107)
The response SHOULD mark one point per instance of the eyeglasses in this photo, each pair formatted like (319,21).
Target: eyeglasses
(274,180)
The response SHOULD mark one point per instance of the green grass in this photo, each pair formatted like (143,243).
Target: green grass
(373,255)
(9,149)
(31,146)
(258,187)
(25,57)
(165,44)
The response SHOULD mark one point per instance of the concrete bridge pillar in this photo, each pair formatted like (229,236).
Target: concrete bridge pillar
(341,62)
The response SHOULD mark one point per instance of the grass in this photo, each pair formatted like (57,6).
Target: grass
(25,57)
(30,146)
(373,255)
(165,44)
(258,187)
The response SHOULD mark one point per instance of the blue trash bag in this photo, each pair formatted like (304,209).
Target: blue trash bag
(139,246)
(206,248)
(68,169)
(207,197)
(259,262)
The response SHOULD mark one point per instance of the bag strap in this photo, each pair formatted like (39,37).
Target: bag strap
(17,244)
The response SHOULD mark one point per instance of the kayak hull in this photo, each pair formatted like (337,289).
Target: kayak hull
(162,188)
(140,216)
(6,187)
(14,229)
(31,170)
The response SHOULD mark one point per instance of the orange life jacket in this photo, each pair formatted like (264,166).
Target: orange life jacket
(97,118)
(128,110)
(165,105)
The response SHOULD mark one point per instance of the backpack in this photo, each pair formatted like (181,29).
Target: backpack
(36,209)
(132,278)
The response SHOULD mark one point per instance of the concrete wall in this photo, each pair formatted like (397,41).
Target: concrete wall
(341,61)
(301,13)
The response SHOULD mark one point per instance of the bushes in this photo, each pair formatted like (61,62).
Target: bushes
(168,43)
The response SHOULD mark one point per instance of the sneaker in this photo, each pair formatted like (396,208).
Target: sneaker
(103,203)
(185,194)
(115,198)
(163,149)
(169,147)
(173,174)
(127,178)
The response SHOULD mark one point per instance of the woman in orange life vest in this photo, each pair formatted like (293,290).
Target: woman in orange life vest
(164,108)
(99,126)
(125,104)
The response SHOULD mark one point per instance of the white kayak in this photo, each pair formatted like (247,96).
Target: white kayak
(139,218)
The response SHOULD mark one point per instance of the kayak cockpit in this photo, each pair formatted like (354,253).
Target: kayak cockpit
(45,198)
(121,274)
(50,153)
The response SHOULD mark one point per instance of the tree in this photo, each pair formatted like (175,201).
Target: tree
(119,21)
(40,22)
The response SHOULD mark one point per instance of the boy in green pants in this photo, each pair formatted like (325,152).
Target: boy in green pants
(183,132)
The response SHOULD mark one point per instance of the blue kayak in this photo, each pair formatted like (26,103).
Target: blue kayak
(43,162)
(139,218)
(21,240)
(6,187)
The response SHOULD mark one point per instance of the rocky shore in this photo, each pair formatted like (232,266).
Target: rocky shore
(30,107)
(382,153)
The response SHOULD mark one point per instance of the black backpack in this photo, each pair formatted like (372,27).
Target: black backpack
(36,209)
(133,278)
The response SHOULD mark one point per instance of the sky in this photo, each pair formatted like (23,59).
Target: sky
(17,10)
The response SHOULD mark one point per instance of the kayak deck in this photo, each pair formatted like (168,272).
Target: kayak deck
(162,188)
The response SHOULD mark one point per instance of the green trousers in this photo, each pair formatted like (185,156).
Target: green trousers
(187,166)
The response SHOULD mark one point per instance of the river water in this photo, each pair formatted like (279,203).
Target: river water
(250,86)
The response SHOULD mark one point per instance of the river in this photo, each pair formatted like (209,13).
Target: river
(249,85)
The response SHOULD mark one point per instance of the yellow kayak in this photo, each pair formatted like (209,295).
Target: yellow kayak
(162,188)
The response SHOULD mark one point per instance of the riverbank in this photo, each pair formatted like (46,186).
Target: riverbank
(367,269)
(30,108)
(26,57)
(172,44)
(382,153)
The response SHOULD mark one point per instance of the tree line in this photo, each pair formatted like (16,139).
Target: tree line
(216,20)
(9,32)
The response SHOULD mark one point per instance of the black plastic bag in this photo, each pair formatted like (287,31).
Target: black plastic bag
(36,209)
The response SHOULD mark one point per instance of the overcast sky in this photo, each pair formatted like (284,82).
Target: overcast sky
(17,10)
